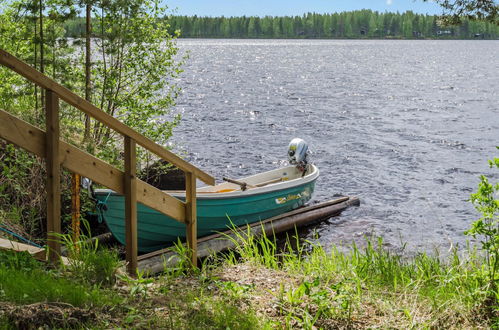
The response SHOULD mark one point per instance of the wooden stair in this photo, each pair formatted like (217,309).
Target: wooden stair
(57,153)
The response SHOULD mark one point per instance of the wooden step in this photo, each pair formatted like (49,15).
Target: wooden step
(6,244)
(37,253)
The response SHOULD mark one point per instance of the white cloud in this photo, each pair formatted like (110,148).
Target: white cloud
(389,2)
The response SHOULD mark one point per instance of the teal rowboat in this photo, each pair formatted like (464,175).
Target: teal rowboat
(268,194)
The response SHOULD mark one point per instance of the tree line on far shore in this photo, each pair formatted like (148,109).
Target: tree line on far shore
(351,24)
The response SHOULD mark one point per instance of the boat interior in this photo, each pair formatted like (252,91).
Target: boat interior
(276,176)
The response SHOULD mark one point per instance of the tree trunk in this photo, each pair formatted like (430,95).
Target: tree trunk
(42,68)
(88,91)
(42,41)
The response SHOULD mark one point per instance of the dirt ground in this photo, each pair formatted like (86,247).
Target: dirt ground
(55,315)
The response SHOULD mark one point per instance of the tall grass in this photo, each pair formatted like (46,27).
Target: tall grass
(251,249)
(339,285)
(87,262)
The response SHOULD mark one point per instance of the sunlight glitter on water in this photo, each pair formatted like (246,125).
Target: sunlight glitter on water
(405,125)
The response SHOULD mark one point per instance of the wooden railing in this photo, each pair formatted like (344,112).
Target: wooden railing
(59,153)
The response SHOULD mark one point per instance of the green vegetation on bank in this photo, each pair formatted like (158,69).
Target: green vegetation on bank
(352,24)
(258,285)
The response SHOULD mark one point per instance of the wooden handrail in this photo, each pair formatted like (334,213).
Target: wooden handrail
(59,153)
(65,94)
(31,138)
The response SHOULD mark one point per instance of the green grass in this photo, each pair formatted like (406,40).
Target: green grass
(198,310)
(258,285)
(38,285)
(23,281)
(372,283)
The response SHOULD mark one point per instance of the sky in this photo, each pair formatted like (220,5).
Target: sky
(293,7)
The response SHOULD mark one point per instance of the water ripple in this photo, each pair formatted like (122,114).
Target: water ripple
(405,125)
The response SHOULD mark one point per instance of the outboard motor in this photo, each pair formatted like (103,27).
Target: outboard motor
(297,154)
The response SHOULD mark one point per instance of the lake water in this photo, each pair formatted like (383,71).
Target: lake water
(407,126)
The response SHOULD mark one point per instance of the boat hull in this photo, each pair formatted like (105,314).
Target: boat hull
(156,230)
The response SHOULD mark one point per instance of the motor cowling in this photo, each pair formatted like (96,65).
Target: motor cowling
(297,153)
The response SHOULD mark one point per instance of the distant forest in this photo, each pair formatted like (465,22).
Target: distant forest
(352,24)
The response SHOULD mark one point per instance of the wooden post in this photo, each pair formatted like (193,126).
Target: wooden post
(130,186)
(75,207)
(53,175)
(191,216)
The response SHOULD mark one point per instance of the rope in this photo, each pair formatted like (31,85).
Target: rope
(100,208)
(20,237)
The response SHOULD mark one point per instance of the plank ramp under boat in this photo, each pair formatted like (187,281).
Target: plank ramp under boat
(6,244)
(36,252)
(155,262)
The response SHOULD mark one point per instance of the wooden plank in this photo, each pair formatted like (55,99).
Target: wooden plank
(131,205)
(351,201)
(19,132)
(32,139)
(6,244)
(75,208)
(160,201)
(37,253)
(80,162)
(226,240)
(191,216)
(40,79)
(53,185)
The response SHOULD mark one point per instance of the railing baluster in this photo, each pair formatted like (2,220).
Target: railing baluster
(53,174)
(130,186)
(191,216)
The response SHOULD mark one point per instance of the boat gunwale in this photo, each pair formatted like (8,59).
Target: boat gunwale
(283,185)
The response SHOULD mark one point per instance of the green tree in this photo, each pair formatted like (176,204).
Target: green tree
(267,26)
(225,28)
(276,27)
(287,27)
(372,26)
(134,71)
(355,24)
(407,25)
(457,10)
(253,27)
(132,67)
(20,28)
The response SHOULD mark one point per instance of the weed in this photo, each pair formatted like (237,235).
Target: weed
(340,285)
(21,186)
(89,263)
(139,285)
(249,248)
(179,263)
(235,290)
